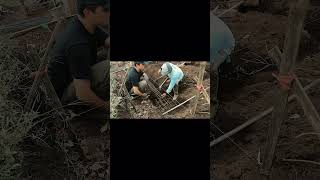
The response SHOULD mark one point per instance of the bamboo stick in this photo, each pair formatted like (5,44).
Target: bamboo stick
(258,117)
(24,31)
(181,104)
(42,67)
(199,83)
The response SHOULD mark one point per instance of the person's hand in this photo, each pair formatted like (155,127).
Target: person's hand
(37,74)
(168,81)
(164,94)
(200,87)
(145,96)
(145,76)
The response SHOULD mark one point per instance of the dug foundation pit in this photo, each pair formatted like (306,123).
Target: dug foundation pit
(149,108)
(163,103)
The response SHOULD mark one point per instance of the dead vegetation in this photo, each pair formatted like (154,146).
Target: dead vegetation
(41,144)
(16,125)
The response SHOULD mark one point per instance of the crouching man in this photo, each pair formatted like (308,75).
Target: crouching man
(175,75)
(74,69)
(136,82)
(222,44)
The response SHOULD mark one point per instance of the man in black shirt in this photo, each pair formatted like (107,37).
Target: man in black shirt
(73,69)
(136,79)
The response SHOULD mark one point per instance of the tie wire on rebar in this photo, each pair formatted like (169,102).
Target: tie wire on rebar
(164,103)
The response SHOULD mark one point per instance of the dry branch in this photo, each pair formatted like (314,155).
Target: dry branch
(41,68)
(199,83)
(303,134)
(24,31)
(258,117)
(309,109)
(181,104)
(224,12)
(304,161)
(287,65)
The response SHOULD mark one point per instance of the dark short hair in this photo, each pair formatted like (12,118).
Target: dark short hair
(91,8)
(137,63)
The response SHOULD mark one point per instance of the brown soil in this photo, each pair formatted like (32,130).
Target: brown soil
(254,94)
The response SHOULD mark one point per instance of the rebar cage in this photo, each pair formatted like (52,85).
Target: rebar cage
(163,103)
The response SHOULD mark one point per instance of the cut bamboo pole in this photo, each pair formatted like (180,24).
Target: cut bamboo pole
(178,105)
(258,117)
(206,96)
(199,83)
(125,78)
(304,134)
(309,109)
(24,31)
(215,9)
(304,161)
(236,5)
(296,18)
(181,104)
(163,83)
(44,62)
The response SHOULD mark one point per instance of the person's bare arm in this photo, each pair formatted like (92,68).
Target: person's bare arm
(85,94)
(137,91)
(145,77)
